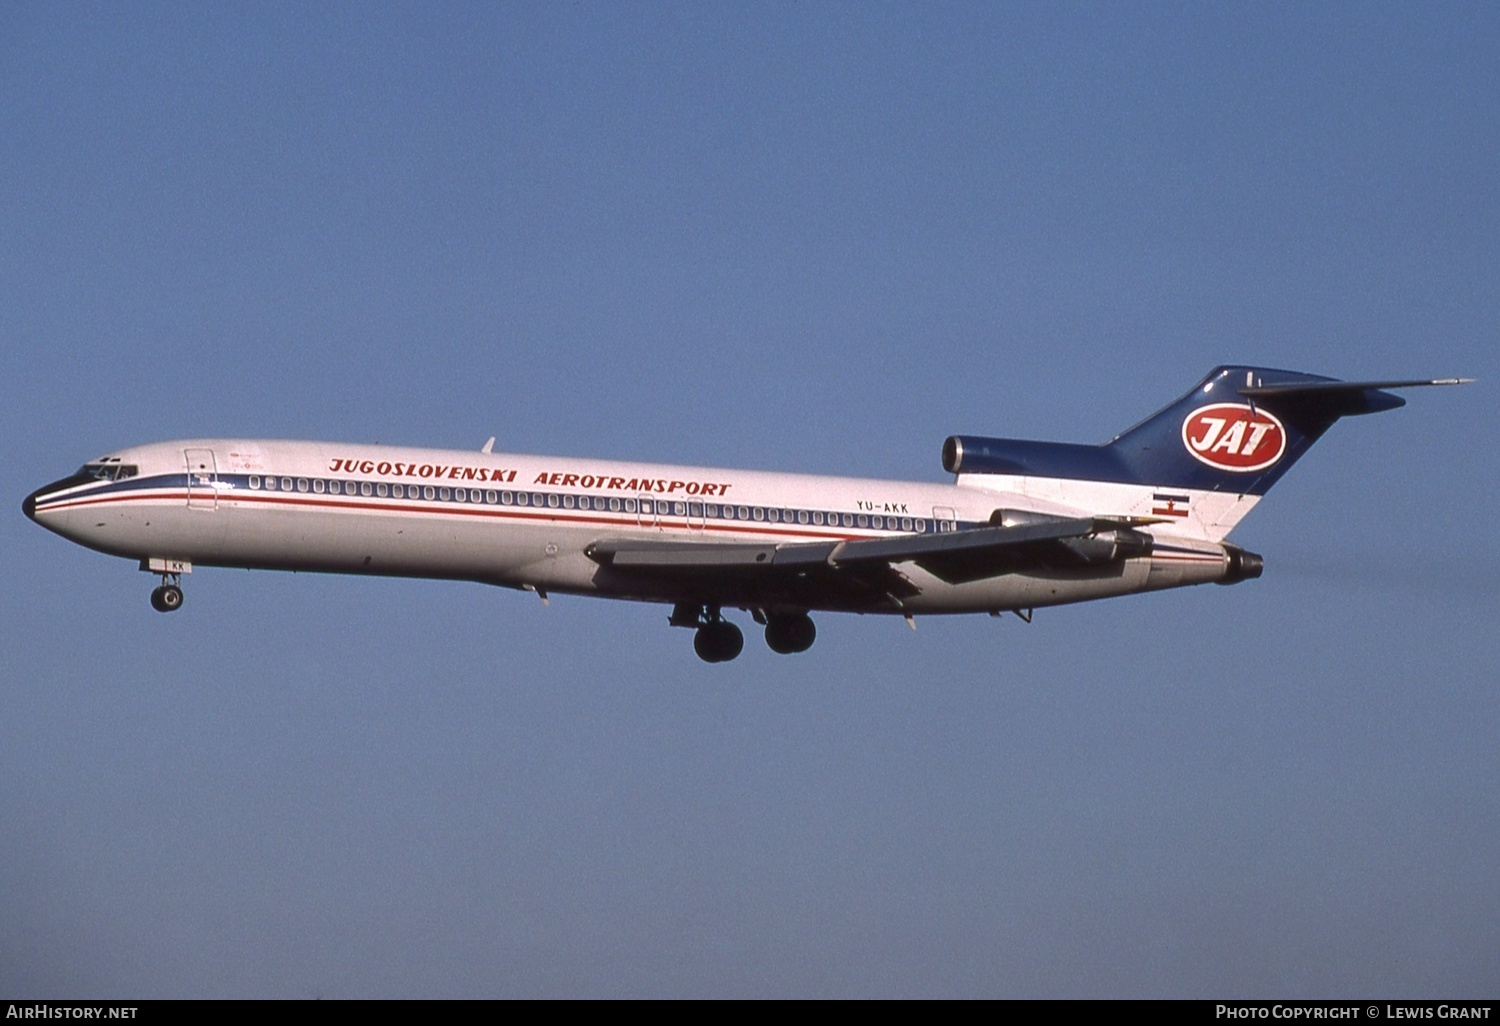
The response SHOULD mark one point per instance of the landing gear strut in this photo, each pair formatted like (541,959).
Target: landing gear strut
(716,640)
(167,598)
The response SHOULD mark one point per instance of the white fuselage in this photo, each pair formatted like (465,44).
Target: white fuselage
(527,521)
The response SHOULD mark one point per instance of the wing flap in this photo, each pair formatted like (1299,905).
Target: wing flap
(956,557)
(915,547)
(628,554)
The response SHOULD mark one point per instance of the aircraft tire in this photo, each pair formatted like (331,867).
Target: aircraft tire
(167,598)
(788,635)
(718,642)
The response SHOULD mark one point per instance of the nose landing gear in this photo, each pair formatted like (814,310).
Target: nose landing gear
(167,598)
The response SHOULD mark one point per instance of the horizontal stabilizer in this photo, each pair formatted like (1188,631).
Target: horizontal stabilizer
(1338,398)
(1347,386)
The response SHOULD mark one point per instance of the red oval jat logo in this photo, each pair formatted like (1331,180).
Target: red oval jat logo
(1234,436)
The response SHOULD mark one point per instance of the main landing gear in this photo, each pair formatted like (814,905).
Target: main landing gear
(717,640)
(790,633)
(167,598)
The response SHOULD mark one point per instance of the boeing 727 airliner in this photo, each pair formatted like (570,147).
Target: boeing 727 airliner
(1023,525)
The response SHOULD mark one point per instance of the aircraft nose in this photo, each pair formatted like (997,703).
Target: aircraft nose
(29,504)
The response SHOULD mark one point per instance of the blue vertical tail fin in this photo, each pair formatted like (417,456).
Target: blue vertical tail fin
(1241,428)
(1229,439)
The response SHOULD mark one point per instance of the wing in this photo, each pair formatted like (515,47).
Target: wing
(854,573)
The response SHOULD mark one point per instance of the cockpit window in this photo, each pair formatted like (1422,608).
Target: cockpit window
(109,471)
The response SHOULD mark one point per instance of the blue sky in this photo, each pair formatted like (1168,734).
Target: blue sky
(817,237)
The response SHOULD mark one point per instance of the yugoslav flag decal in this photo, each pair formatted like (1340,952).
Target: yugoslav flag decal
(1234,436)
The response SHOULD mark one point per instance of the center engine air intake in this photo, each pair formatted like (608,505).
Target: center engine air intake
(953,454)
(975,454)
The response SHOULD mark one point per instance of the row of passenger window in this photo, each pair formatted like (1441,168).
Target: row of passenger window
(696,511)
